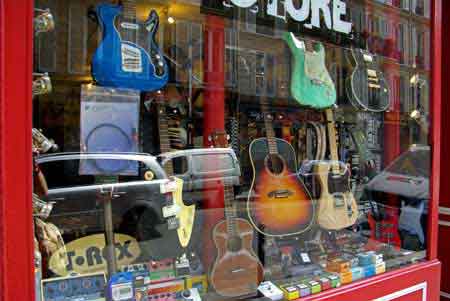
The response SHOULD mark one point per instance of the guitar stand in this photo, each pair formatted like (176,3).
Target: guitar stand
(109,231)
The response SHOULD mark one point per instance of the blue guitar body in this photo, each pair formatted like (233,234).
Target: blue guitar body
(128,56)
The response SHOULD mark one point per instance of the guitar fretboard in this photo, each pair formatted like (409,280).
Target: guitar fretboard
(270,133)
(332,141)
(164,141)
(129,9)
(230,210)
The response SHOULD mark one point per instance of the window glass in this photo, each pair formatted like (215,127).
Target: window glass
(211,150)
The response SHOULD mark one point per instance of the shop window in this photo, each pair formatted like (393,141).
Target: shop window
(213,150)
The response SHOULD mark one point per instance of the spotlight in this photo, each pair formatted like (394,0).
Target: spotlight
(171,20)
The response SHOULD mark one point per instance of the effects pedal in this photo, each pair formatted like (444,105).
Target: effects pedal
(190,294)
(270,290)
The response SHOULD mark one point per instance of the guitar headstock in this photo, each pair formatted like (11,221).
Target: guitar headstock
(219,139)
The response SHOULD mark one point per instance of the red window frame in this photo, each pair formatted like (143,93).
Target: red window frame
(16,233)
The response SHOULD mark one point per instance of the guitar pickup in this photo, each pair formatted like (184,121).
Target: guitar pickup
(374,86)
(372,73)
(317,82)
(171,210)
(339,200)
(280,194)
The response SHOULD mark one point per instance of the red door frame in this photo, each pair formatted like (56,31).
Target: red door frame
(16,237)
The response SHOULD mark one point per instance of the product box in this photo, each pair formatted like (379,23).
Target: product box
(380,268)
(199,282)
(171,286)
(315,287)
(346,277)
(290,292)
(163,270)
(304,290)
(338,265)
(365,259)
(377,258)
(325,283)
(357,273)
(369,270)
(335,280)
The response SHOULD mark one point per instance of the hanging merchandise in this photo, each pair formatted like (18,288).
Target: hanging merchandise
(109,119)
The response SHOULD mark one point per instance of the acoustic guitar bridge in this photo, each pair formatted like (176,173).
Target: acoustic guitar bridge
(280,194)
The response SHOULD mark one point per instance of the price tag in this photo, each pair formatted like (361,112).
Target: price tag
(169,186)
(305,258)
(171,210)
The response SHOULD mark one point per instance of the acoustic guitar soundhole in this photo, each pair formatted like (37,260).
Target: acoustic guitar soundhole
(234,244)
(275,164)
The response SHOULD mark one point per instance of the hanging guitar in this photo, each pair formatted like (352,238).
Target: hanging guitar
(337,205)
(278,203)
(170,235)
(237,270)
(185,214)
(367,88)
(128,56)
(311,84)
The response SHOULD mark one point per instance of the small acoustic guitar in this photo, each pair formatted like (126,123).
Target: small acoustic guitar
(237,270)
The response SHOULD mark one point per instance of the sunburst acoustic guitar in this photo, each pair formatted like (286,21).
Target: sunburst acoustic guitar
(278,203)
(337,207)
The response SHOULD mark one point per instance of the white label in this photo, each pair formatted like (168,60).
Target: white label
(368,58)
(305,257)
(171,210)
(122,292)
(169,186)
(131,58)
(129,25)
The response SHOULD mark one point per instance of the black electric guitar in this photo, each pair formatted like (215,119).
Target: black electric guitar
(337,206)
(278,203)
(237,270)
(366,87)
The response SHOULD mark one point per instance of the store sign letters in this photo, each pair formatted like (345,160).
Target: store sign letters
(332,11)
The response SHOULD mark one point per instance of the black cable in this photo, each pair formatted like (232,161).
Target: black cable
(117,128)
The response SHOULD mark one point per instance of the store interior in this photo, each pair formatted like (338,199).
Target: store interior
(211,150)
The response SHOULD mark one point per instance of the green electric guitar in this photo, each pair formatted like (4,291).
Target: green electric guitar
(311,84)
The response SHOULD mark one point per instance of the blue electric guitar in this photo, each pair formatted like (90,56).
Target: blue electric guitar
(128,56)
